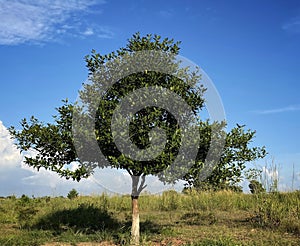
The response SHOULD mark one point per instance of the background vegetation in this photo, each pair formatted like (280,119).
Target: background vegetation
(194,218)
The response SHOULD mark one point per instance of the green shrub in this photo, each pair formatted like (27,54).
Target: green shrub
(256,187)
(24,200)
(72,194)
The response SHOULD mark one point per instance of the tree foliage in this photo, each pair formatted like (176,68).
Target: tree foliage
(227,173)
(146,119)
(50,145)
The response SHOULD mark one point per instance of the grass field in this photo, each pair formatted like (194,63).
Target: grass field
(220,218)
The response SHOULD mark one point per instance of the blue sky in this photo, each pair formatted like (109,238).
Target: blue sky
(250,50)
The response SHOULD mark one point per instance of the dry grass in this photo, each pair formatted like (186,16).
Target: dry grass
(222,218)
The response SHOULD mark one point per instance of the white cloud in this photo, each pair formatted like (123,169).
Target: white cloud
(9,155)
(98,31)
(292,26)
(104,32)
(39,21)
(88,32)
(290,108)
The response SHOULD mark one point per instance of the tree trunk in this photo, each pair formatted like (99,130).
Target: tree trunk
(135,228)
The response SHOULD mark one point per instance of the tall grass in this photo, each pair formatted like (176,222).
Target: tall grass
(104,217)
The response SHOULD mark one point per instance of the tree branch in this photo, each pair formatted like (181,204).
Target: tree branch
(130,173)
(142,186)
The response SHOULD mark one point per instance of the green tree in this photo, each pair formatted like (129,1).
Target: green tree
(72,194)
(254,176)
(80,129)
(256,187)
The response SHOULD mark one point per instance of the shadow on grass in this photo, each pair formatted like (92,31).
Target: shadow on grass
(85,217)
(89,219)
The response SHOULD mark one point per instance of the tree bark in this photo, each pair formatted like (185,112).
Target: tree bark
(135,228)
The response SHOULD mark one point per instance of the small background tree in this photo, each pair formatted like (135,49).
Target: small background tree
(254,176)
(72,194)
